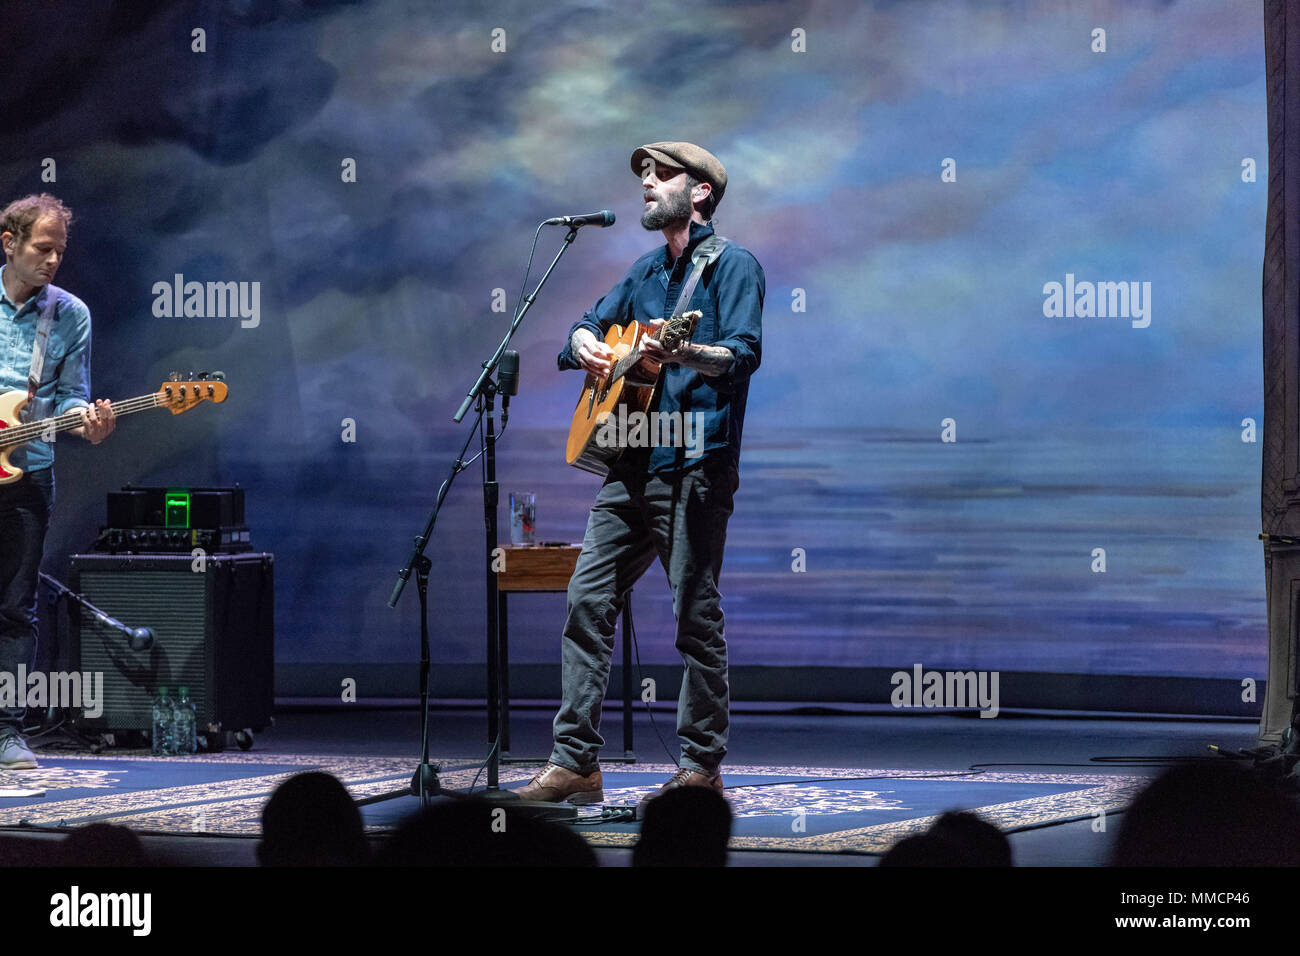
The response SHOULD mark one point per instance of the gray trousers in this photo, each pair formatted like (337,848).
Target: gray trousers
(682,520)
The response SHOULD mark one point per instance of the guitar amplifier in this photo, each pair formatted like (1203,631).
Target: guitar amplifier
(213,620)
(174,521)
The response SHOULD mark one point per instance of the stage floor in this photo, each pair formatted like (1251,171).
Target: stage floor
(808,787)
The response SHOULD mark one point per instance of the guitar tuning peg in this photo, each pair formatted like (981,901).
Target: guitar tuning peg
(174,377)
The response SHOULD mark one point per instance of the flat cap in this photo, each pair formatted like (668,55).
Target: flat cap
(696,160)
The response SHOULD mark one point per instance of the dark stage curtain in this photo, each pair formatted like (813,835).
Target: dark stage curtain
(1280,498)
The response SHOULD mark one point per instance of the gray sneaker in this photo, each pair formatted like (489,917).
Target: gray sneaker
(14,754)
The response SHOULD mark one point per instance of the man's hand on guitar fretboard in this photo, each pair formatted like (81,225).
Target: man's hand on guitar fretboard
(654,350)
(98,422)
(707,359)
(669,350)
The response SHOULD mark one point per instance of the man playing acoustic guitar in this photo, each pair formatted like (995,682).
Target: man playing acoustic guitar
(657,501)
(45,351)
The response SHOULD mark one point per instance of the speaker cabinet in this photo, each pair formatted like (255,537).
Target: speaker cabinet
(214,632)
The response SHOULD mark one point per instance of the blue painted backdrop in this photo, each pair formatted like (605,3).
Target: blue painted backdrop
(923,300)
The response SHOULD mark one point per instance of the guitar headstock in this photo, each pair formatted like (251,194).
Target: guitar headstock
(180,396)
(677,331)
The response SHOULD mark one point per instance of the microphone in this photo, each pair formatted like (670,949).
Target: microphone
(507,381)
(603,218)
(140,638)
(508,373)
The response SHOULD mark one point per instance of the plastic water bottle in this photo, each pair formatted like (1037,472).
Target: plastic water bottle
(163,735)
(186,733)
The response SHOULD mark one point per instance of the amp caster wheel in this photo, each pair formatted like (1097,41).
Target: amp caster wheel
(244,738)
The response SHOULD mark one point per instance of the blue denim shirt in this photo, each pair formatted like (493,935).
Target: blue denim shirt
(65,379)
(730,295)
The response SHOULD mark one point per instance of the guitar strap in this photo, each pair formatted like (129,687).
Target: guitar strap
(704,255)
(42,341)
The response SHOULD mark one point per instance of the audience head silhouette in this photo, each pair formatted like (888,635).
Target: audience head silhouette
(955,839)
(1210,814)
(102,844)
(478,833)
(311,821)
(687,826)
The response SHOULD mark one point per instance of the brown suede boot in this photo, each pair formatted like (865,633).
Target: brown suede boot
(555,783)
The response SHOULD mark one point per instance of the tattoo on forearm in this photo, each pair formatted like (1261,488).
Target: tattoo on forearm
(711,359)
(576,340)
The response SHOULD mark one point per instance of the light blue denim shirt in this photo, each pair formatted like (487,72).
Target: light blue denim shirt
(65,380)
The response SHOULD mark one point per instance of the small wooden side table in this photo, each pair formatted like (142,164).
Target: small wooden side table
(546,569)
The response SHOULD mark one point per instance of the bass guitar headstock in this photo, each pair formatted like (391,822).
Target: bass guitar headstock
(180,396)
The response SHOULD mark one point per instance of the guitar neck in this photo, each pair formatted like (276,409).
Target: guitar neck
(30,431)
(627,362)
(679,326)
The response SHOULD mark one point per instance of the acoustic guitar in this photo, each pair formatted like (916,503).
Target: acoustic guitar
(630,383)
(175,395)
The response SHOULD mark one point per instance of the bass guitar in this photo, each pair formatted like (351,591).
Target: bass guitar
(174,395)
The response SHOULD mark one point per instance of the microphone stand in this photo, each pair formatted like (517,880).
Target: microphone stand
(138,639)
(425,783)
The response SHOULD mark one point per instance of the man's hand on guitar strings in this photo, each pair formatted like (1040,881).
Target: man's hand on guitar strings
(593,355)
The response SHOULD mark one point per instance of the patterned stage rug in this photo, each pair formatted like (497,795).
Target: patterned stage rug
(806,809)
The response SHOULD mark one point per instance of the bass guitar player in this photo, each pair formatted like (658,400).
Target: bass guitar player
(44,352)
